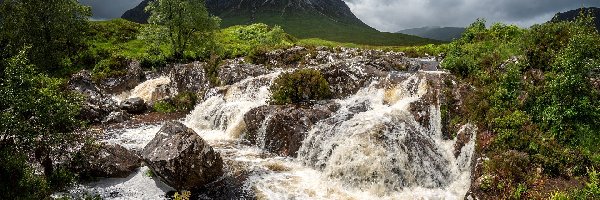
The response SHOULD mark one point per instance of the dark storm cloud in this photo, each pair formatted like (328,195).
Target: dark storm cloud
(108,9)
(394,15)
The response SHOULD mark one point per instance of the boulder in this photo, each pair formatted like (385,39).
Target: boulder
(281,129)
(116,117)
(96,106)
(189,78)
(118,84)
(236,70)
(105,160)
(182,158)
(133,105)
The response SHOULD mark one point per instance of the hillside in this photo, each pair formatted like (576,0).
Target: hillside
(435,32)
(325,19)
(572,14)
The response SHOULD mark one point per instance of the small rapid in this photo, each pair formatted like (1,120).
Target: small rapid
(372,147)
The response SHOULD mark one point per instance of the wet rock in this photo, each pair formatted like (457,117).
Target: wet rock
(182,158)
(189,78)
(133,105)
(118,84)
(116,117)
(346,79)
(283,58)
(96,105)
(236,70)
(463,137)
(105,160)
(281,129)
(82,82)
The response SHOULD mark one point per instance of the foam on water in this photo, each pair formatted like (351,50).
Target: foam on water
(371,148)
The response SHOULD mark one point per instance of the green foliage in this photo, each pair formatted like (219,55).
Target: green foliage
(53,30)
(296,22)
(299,86)
(239,41)
(185,195)
(113,66)
(149,173)
(184,24)
(164,107)
(182,102)
(17,178)
(38,117)
(534,92)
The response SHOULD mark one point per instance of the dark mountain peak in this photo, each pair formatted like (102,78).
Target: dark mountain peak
(573,14)
(325,19)
(138,14)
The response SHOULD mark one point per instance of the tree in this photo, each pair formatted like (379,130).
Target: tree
(38,116)
(53,28)
(184,23)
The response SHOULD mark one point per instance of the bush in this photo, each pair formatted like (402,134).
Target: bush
(300,86)
(113,66)
(182,102)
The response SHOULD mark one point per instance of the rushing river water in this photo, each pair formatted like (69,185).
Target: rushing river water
(376,152)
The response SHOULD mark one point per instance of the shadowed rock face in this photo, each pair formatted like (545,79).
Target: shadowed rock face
(281,129)
(182,158)
(109,161)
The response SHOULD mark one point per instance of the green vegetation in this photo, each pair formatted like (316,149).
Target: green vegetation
(325,28)
(240,41)
(534,94)
(182,102)
(38,118)
(184,24)
(300,86)
(27,23)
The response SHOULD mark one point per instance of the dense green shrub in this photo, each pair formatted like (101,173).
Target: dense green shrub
(112,66)
(300,86)
(533,92)
(182,102)
(38,118)
(240,40)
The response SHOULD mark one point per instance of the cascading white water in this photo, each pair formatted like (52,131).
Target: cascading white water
(221,116)
(146,90)
(371,148)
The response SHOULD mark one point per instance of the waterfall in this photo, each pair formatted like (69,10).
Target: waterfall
(148,90)
(221,115)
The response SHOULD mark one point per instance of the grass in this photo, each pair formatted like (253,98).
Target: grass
(327,29)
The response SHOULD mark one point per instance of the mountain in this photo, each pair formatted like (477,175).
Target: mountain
(572,14)
(325,19)
(436,32)
(137,14)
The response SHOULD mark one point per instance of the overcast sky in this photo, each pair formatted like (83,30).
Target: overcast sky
(395,15)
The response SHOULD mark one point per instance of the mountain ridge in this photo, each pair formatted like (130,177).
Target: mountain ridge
(572,14)
(326,19)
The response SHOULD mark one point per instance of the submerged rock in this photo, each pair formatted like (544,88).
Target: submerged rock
(182,158)
(105,160)
(281,129)
(134,105)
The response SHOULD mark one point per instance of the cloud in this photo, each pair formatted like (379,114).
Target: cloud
(108,9)
(395,15)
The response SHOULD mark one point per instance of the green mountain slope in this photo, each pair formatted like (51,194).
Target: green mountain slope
(325,19)
(436,32)
(572,14)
